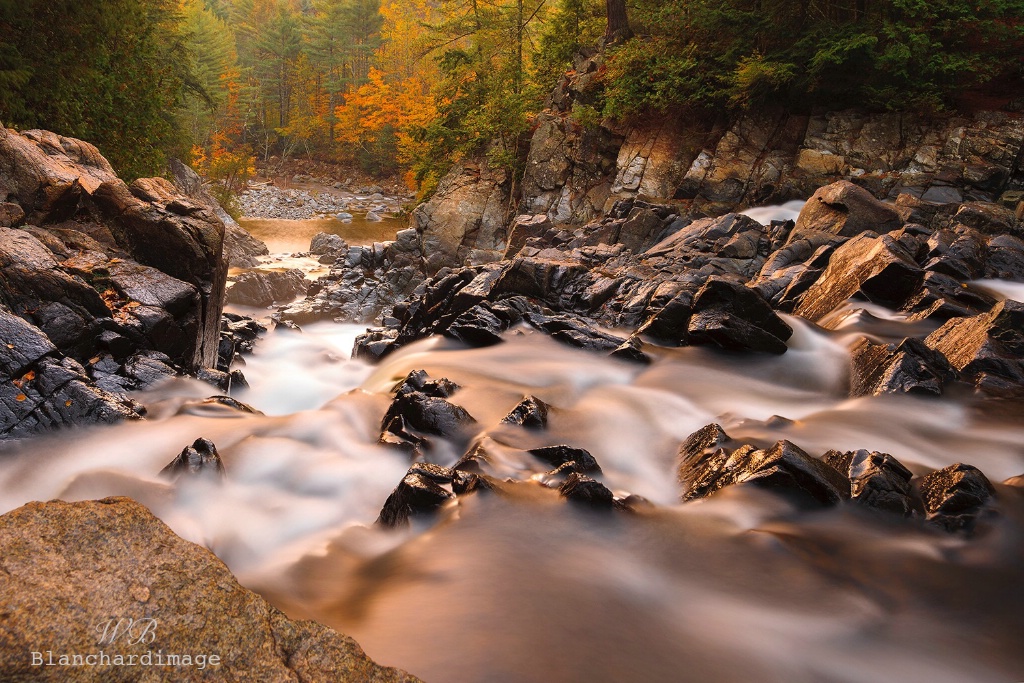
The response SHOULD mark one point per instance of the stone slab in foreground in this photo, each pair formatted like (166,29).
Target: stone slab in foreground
(71,571)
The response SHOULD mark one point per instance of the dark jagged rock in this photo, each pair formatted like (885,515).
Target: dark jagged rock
(41,390)
(736,317)
(877,267)
(877,480)
(531,412)
(417,494)
(908,367)
(783,469)
(199,459)
(556,456)
(582,490)
(956,497)
(942,297)
(420,409)
(266,287)
(987,349)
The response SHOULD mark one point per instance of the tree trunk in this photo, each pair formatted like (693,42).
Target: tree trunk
(618,24)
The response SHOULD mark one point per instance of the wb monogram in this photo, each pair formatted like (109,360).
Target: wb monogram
(129,631)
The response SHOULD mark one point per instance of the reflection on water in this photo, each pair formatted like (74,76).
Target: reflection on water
(521,587)
(289,236)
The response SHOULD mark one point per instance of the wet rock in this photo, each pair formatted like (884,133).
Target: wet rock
(956,497)
(909,367)
(942,297)
(736,317)
(699,448)
(43,391)
(420,409)
(199,459)
(582,490)
(784,469)
(987,349)
(112,558)
(373,345)
(987,218)
(560,455)
(531,412)
(877,480)
(417,494)
(845,209)
(575,331)
(266,287)
(877,267)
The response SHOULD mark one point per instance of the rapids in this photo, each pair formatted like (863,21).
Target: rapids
(524,587)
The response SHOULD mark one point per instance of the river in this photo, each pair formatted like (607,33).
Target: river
(523,587)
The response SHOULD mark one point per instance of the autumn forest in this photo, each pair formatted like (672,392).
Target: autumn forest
(406,87)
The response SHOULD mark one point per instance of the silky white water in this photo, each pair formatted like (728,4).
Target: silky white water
(523,587)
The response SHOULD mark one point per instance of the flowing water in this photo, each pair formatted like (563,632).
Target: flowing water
(289,236)
(523,587)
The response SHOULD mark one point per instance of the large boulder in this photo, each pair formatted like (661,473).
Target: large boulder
(844,209)
(241,250)
(126,283)
(468,212)
(75,572)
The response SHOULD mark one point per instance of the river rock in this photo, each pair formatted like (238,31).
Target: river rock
(199,459)
(583,490)
(878,267)
(987,349)
(70,567)
(418,493)
(266,287)
(736,317)
(420,409)
(844,209)
(325,243)
(531,413)
(558,456)
(42,390)
(877,480)
(909,367)
(784,468)
(956,497)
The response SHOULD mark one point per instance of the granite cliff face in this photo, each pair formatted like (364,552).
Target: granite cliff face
(104,286)
(575,173)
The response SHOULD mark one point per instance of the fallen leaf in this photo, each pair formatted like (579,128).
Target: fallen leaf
(21,397)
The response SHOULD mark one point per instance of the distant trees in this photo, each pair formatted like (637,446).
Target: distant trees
(420,84)
(896,54)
